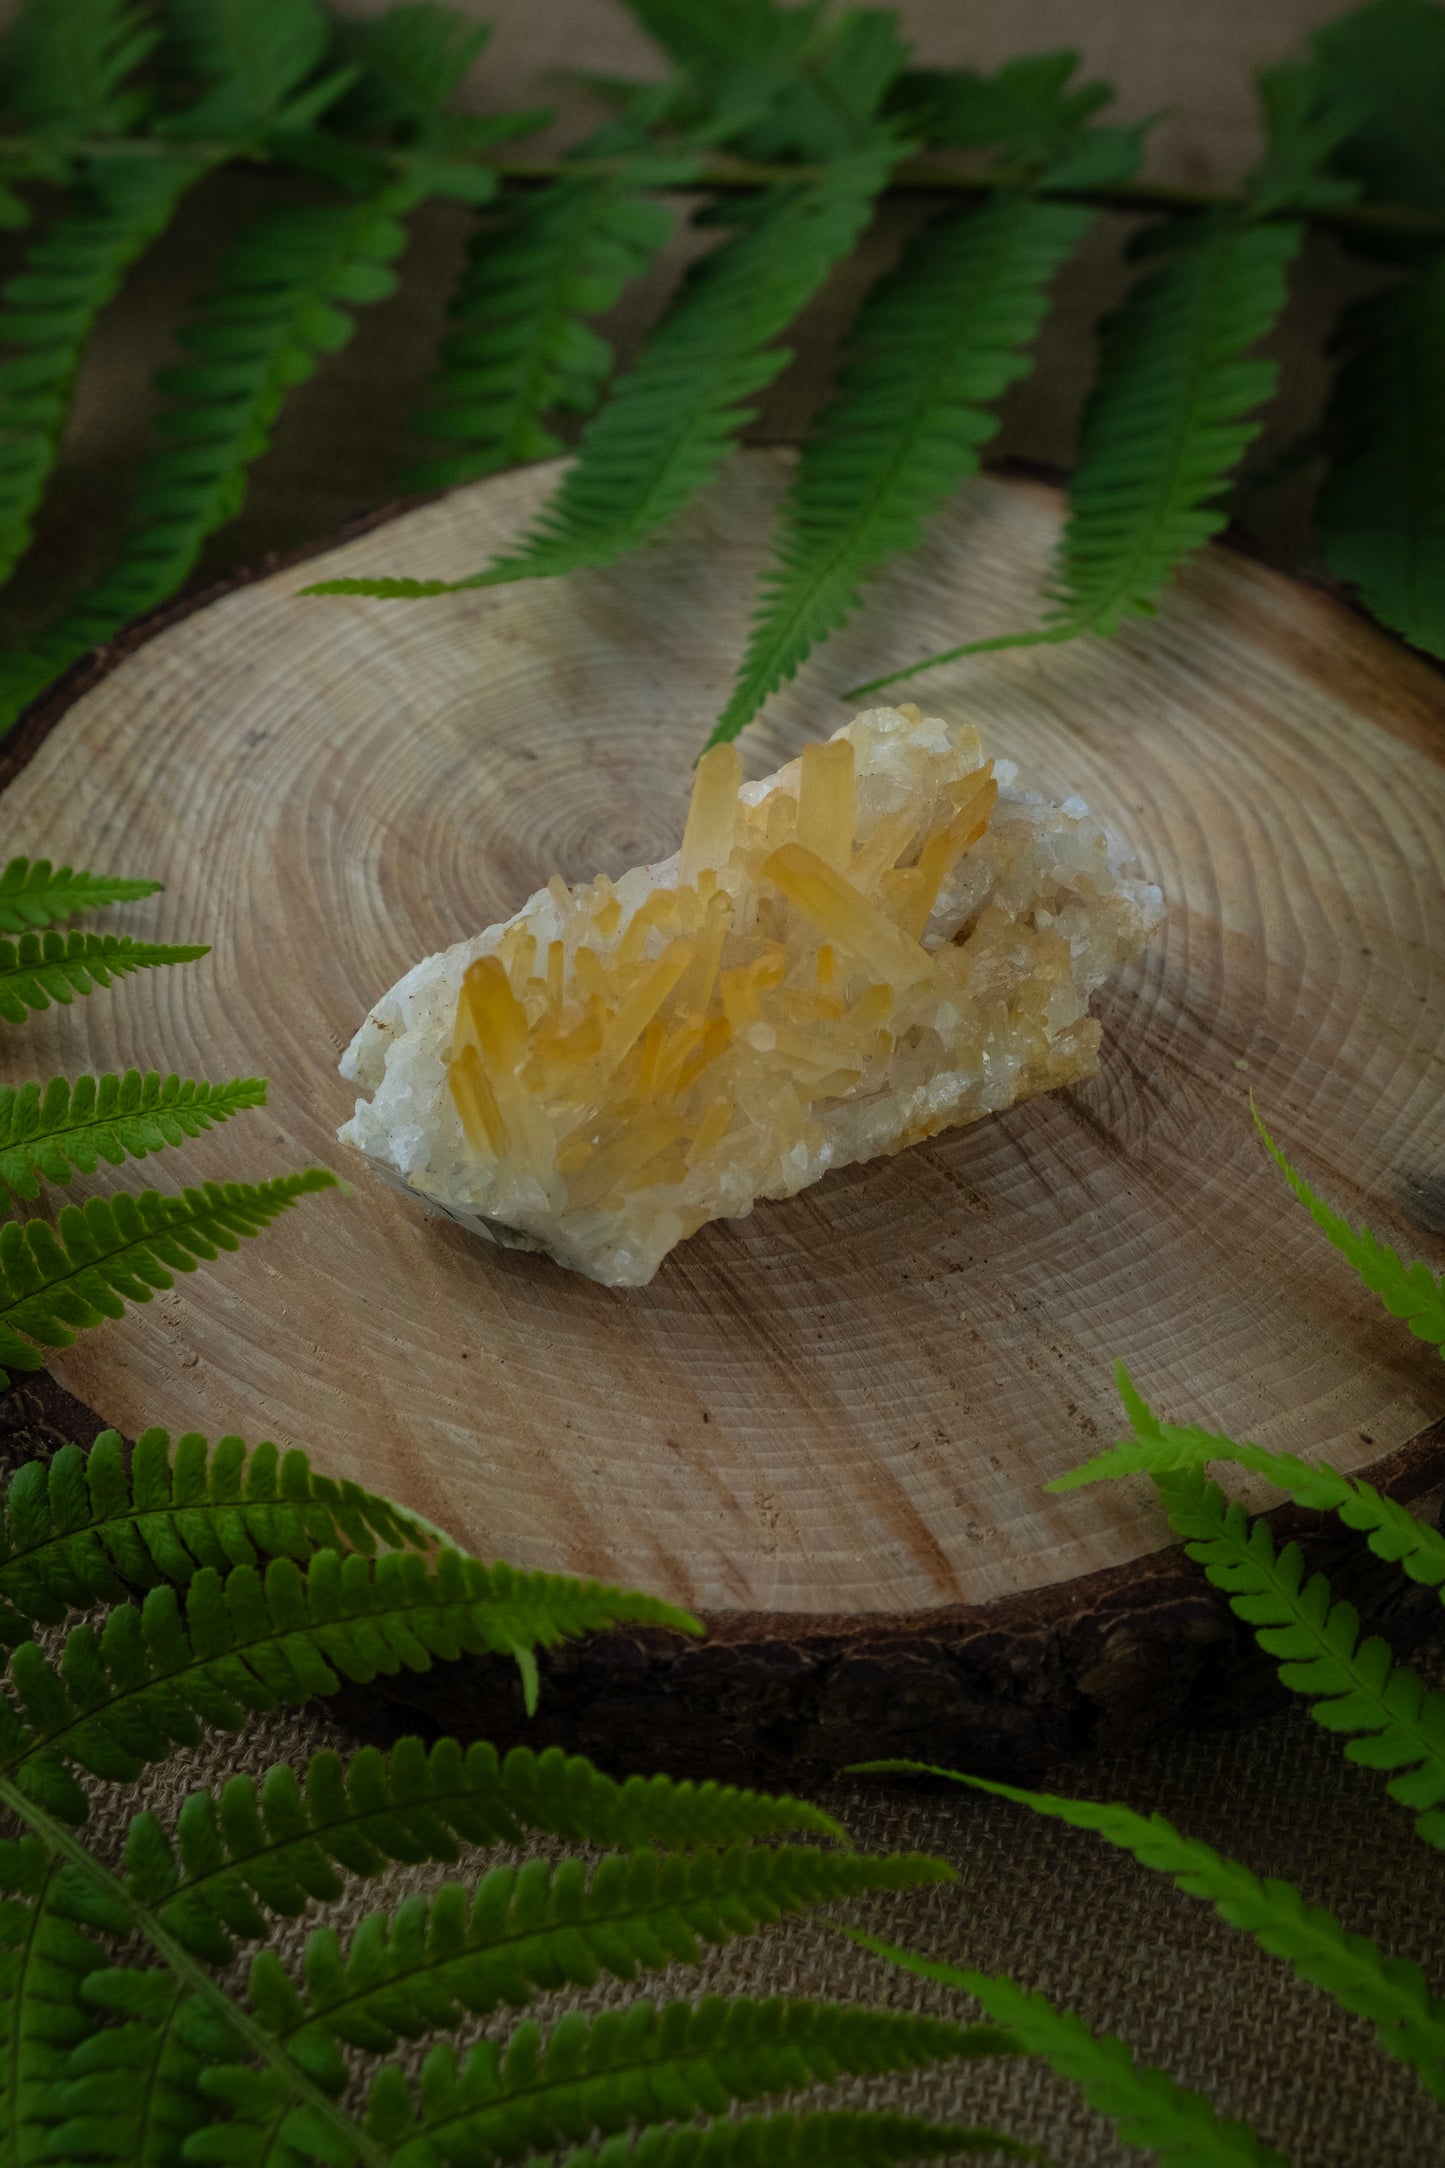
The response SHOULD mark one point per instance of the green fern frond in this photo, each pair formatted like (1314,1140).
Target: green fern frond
(67,68)
(1159,1449)
(156,1673)
(57,1281)
(1382,507)
(118,2076)
(1146,2106)
(68,1126)
(935,347)
(861,2139)
(519,346)
(671,419)
(46,1954)
(1410,1292)
(41,968)
(567,1797)
(1389,1991)
(48,307)
(1394,1720)
(522,1931)
(87,1528)
(35,894)
(616,2077)
(133,2090)
(1173,411)
(271,1848)
(1398,1722)
(284,296)
(646,2066)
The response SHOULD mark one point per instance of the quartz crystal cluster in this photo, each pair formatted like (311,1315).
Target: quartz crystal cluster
(881,940)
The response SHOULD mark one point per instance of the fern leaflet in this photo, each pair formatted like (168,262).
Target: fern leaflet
(1146,2106)
(249,1640)
(56,1281)
(518,346)
(1382,508)
(1030,113)
(1384,63)
(270,1849)
(936,345)
(253,61)
(68,1126)
(1389,1991)
(1171,414)
(88,1528)
(37,894)
(539,1927)
(1410,1292)
(283,297)
(644,2066)
(668,424)
(41,968)
(45,1957)
(778,82)
(48,307)
(1303,136)
(67,67)
(413,59)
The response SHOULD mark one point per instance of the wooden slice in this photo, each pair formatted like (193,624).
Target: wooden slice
(828,1426)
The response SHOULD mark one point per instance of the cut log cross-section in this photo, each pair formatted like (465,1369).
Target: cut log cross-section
(828,1426)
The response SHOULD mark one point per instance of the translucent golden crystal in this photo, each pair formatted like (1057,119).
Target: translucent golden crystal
(871,945)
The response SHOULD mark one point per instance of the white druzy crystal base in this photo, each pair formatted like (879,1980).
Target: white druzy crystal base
(884,939)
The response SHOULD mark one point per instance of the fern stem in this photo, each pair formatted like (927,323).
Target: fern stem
(1043,636)
(352,2139)
(930,176)
(721,174)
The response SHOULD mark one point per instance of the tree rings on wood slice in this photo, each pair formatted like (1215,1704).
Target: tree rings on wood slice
(826,1427)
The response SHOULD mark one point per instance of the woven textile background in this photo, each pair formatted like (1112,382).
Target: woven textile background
(1056,1909)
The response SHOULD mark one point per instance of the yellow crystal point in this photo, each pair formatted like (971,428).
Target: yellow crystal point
(476,1102)
(640,1006)
(825,801)
(845,917)
(874,944)
(712,814)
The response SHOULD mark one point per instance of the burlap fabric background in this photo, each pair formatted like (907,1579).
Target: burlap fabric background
(1056,1909)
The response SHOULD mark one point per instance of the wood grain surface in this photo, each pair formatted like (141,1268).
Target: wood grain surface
(846,1405)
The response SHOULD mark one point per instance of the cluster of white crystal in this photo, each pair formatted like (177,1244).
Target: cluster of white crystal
(882,940)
